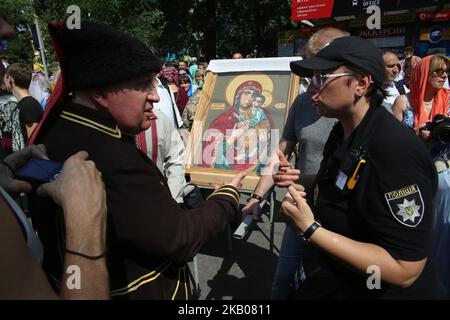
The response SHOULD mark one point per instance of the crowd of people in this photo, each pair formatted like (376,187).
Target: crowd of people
(370,187)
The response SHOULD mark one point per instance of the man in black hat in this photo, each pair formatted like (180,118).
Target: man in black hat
(371,230)
(149,237)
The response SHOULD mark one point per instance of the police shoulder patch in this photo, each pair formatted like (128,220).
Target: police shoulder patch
(406,205)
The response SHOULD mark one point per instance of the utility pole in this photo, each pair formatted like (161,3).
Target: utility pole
(41,47)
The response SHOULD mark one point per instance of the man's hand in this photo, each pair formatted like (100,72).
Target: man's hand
(295,207)
(237,179)
(80,191)
(285,175)
(14,162)
(252,207)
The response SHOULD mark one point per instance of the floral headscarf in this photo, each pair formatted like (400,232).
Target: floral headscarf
(169,73)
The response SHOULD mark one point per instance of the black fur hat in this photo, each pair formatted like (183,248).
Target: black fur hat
(96,56)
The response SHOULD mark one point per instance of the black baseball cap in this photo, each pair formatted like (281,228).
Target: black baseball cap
(354,52)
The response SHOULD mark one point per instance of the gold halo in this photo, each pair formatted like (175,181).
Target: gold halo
(264,80)
(268,96)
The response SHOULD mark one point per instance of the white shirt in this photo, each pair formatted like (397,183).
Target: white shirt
(167,104)
(170,160)
(401,74)
(392,94)
(39,88)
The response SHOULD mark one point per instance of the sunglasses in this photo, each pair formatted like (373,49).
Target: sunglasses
(318,80)
(440,72)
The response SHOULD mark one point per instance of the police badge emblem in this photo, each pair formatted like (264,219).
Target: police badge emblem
(406,205)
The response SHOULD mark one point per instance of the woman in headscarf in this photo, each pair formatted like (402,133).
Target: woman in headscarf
(427,97)
(169,76)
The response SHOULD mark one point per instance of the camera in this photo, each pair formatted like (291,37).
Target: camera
(439,128)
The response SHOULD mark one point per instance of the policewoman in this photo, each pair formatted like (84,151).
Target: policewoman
(370,226)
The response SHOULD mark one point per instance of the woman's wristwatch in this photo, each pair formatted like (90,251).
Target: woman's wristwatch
(309,232)
(257,197)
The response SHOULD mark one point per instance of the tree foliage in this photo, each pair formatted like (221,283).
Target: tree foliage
(18,13)
(140,18)
(213,28)
(247,26)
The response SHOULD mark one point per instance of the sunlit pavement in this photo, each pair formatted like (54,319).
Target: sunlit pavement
(245,271)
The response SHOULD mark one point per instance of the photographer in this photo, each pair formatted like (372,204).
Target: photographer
(437,138)
(426,109)
(440,151)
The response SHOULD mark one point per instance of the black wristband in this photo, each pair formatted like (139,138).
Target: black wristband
(85,255)
(309,232)
(257,197)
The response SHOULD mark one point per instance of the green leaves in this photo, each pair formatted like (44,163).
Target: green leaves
(203,27)
(140,18)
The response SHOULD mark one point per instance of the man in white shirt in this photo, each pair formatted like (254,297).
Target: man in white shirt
(393,90)
(169,153)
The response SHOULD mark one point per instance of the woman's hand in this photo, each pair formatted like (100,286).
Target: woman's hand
(295,207)
(285,176)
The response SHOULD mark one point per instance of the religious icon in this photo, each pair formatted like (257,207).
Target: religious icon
(240,121)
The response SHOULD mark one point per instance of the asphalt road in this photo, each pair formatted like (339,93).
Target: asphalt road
(245,271)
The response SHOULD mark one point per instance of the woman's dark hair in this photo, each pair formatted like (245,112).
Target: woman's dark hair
(375,93)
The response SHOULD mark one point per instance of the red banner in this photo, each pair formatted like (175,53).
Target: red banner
(311,9)
(435,16)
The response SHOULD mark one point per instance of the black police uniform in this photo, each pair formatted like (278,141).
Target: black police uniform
(149,237)
(390,206)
